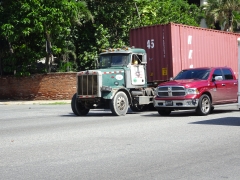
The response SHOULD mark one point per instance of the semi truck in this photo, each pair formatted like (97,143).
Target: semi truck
(119,82)
(127,76)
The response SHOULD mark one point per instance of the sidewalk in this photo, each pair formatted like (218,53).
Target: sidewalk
(17,102)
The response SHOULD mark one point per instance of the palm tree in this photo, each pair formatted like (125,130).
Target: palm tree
(224,12)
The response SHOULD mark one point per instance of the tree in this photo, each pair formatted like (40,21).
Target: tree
(29,25)
(153,12)
(114,19)
(224,12)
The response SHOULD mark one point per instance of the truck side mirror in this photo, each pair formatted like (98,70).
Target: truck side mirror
(144,59)
(96,63)
(217,78)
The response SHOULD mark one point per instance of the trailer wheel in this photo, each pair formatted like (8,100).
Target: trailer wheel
(77,108)
(119,104)
(204,105)
(164,112)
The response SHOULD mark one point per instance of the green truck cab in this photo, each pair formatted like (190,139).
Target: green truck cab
(119,82)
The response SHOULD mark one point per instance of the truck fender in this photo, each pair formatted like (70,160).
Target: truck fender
(126,91)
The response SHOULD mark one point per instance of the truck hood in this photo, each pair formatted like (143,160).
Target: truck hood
(107,70)
(187,83)
(111,70)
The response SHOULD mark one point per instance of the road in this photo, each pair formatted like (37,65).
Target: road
(49,142)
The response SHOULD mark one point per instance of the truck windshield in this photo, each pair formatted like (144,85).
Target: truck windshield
(193,74)
(111,60)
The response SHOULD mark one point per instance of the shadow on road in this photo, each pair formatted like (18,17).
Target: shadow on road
(187,113)
(98,113)
(226,121)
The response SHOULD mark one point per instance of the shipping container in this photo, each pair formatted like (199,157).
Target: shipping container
(173,47)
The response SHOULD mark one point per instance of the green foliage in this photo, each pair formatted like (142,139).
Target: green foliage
(67,66)
(223,12)
(113,21)
(28,24)
(76,37)
(153,12)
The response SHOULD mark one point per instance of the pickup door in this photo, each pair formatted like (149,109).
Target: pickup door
(231,85)
(226,89)
(219,92)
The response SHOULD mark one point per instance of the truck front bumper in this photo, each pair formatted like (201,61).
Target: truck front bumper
(176,104)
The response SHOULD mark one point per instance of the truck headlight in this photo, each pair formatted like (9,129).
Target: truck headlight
(106,88)
(192,91)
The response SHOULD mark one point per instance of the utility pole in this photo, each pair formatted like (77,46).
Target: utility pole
(238,73)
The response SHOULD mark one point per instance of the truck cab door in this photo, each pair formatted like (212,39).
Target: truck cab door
(137,69)
(137,74)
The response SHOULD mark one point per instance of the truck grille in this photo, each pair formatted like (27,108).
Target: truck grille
(87,85)
(169,91)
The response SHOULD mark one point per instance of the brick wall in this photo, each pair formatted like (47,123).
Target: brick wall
(53,86)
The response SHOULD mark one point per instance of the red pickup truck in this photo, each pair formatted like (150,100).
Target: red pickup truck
(197,88)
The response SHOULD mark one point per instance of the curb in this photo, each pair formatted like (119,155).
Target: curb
(35,102)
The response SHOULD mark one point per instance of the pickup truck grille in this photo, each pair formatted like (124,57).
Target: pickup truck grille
(169,91)
(87,85)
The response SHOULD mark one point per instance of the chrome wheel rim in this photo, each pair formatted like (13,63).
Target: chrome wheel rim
(205,105)
(121,103)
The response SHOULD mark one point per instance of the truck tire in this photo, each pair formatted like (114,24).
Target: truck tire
(164,112)
(204,105)
(119,104)
(77,108)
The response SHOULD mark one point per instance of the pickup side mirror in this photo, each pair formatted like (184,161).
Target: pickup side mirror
(217,78)
(96,63)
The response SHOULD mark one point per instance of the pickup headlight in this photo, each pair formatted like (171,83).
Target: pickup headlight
(192,91)
(156,91)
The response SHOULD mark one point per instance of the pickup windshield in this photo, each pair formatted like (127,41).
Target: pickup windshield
(201,74)
(112,60)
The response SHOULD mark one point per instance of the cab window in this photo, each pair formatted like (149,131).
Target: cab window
(227,74)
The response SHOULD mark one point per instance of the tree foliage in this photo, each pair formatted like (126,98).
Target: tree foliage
(164,11)
(28,25)
(114,19)
(223,12)
(76,31)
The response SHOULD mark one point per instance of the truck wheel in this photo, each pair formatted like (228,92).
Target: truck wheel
(204,105)
(119,104)
(165,112)
(77,108)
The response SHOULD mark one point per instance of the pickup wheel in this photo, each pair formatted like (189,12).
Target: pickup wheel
(204,105)
(212,108)
(165,112)
(77,108)
(119,104)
